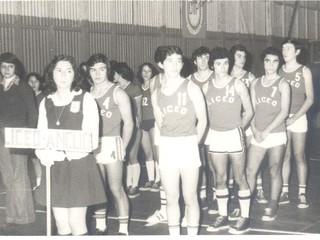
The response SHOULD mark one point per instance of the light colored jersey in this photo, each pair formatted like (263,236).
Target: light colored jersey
(246,78)
(224,106)
(178,113)
(297,83)
(110,117)
(268,104)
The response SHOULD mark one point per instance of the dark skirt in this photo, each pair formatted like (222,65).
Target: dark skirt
(75,183)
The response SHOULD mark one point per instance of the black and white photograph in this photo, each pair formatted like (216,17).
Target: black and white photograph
(158,118)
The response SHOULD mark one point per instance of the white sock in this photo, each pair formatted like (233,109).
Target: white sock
(38,180)
(222,199)
(136,170)
(244,201)
(123,225)
(157,172)
(129,175)
(174,230)
(163,201)
(150,170)
(193,231)
(203,192)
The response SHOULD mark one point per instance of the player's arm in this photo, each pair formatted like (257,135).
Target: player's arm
(123,101)
(244,95)
(198,101)
(156,110)
(309,96)
(253,101)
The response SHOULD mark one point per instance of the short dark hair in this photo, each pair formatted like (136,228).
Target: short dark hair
(272,51)
(99,58)
(218,53)
(124,70)
(199,52)
(49,81)
(9,57)
(293,41)
(154,71)
(162,52)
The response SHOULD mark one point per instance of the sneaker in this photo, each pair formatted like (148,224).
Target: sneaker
(234,215)
(241,226)
(133,192)
(155,218)
(184,222)
(303,203)
(269,214)
(260,197)
(100,232)
(203,204)
(213,208)
(147,186)
(155,187)
(284,198)
(128,188)
(220,223)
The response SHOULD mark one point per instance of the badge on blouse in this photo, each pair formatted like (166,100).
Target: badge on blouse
(75,106)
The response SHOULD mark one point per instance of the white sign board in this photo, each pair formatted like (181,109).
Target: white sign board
(65,140)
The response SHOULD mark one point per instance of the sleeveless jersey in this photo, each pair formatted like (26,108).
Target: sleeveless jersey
(133,91)
(268,105)
(193,78)
(224,106)
(110,117)
(245,78)
(296,81)
(178,113)
(147,110)
(71,115)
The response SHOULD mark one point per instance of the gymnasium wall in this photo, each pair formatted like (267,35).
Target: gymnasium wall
(130,30)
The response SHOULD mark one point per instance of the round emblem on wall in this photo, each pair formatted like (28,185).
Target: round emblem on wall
(194,17)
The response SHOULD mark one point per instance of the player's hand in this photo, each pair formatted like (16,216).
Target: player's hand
(290,121)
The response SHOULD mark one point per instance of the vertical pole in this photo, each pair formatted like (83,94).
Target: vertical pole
(48,199)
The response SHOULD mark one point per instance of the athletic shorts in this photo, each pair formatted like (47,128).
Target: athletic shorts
(248,132)
(179,152)
(156,135)
(110,150)
(272,140)
(300,125)
(146,125)
(231,141)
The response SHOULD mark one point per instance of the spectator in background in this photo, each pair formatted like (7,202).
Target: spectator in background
(17,110)
(36,83)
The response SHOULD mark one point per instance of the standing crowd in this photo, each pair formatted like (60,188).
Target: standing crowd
(201,129)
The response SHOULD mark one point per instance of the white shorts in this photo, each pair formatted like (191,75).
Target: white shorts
(179,152)
(300,125)
(272,140)
(110,150)
(248,132)
(156,135)
(231,141)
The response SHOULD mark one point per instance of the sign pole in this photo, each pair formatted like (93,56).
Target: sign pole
(48,199)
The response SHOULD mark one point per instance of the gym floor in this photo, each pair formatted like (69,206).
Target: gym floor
(290,221)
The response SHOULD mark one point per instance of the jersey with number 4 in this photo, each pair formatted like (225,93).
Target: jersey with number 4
(296,81)
(110,117)
(267,104)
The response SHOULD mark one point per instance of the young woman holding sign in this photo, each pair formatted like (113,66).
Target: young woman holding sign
(75,179)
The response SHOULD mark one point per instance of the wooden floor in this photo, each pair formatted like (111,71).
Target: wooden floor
(290,221)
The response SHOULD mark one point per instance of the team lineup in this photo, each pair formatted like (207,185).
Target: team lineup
(210,128)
